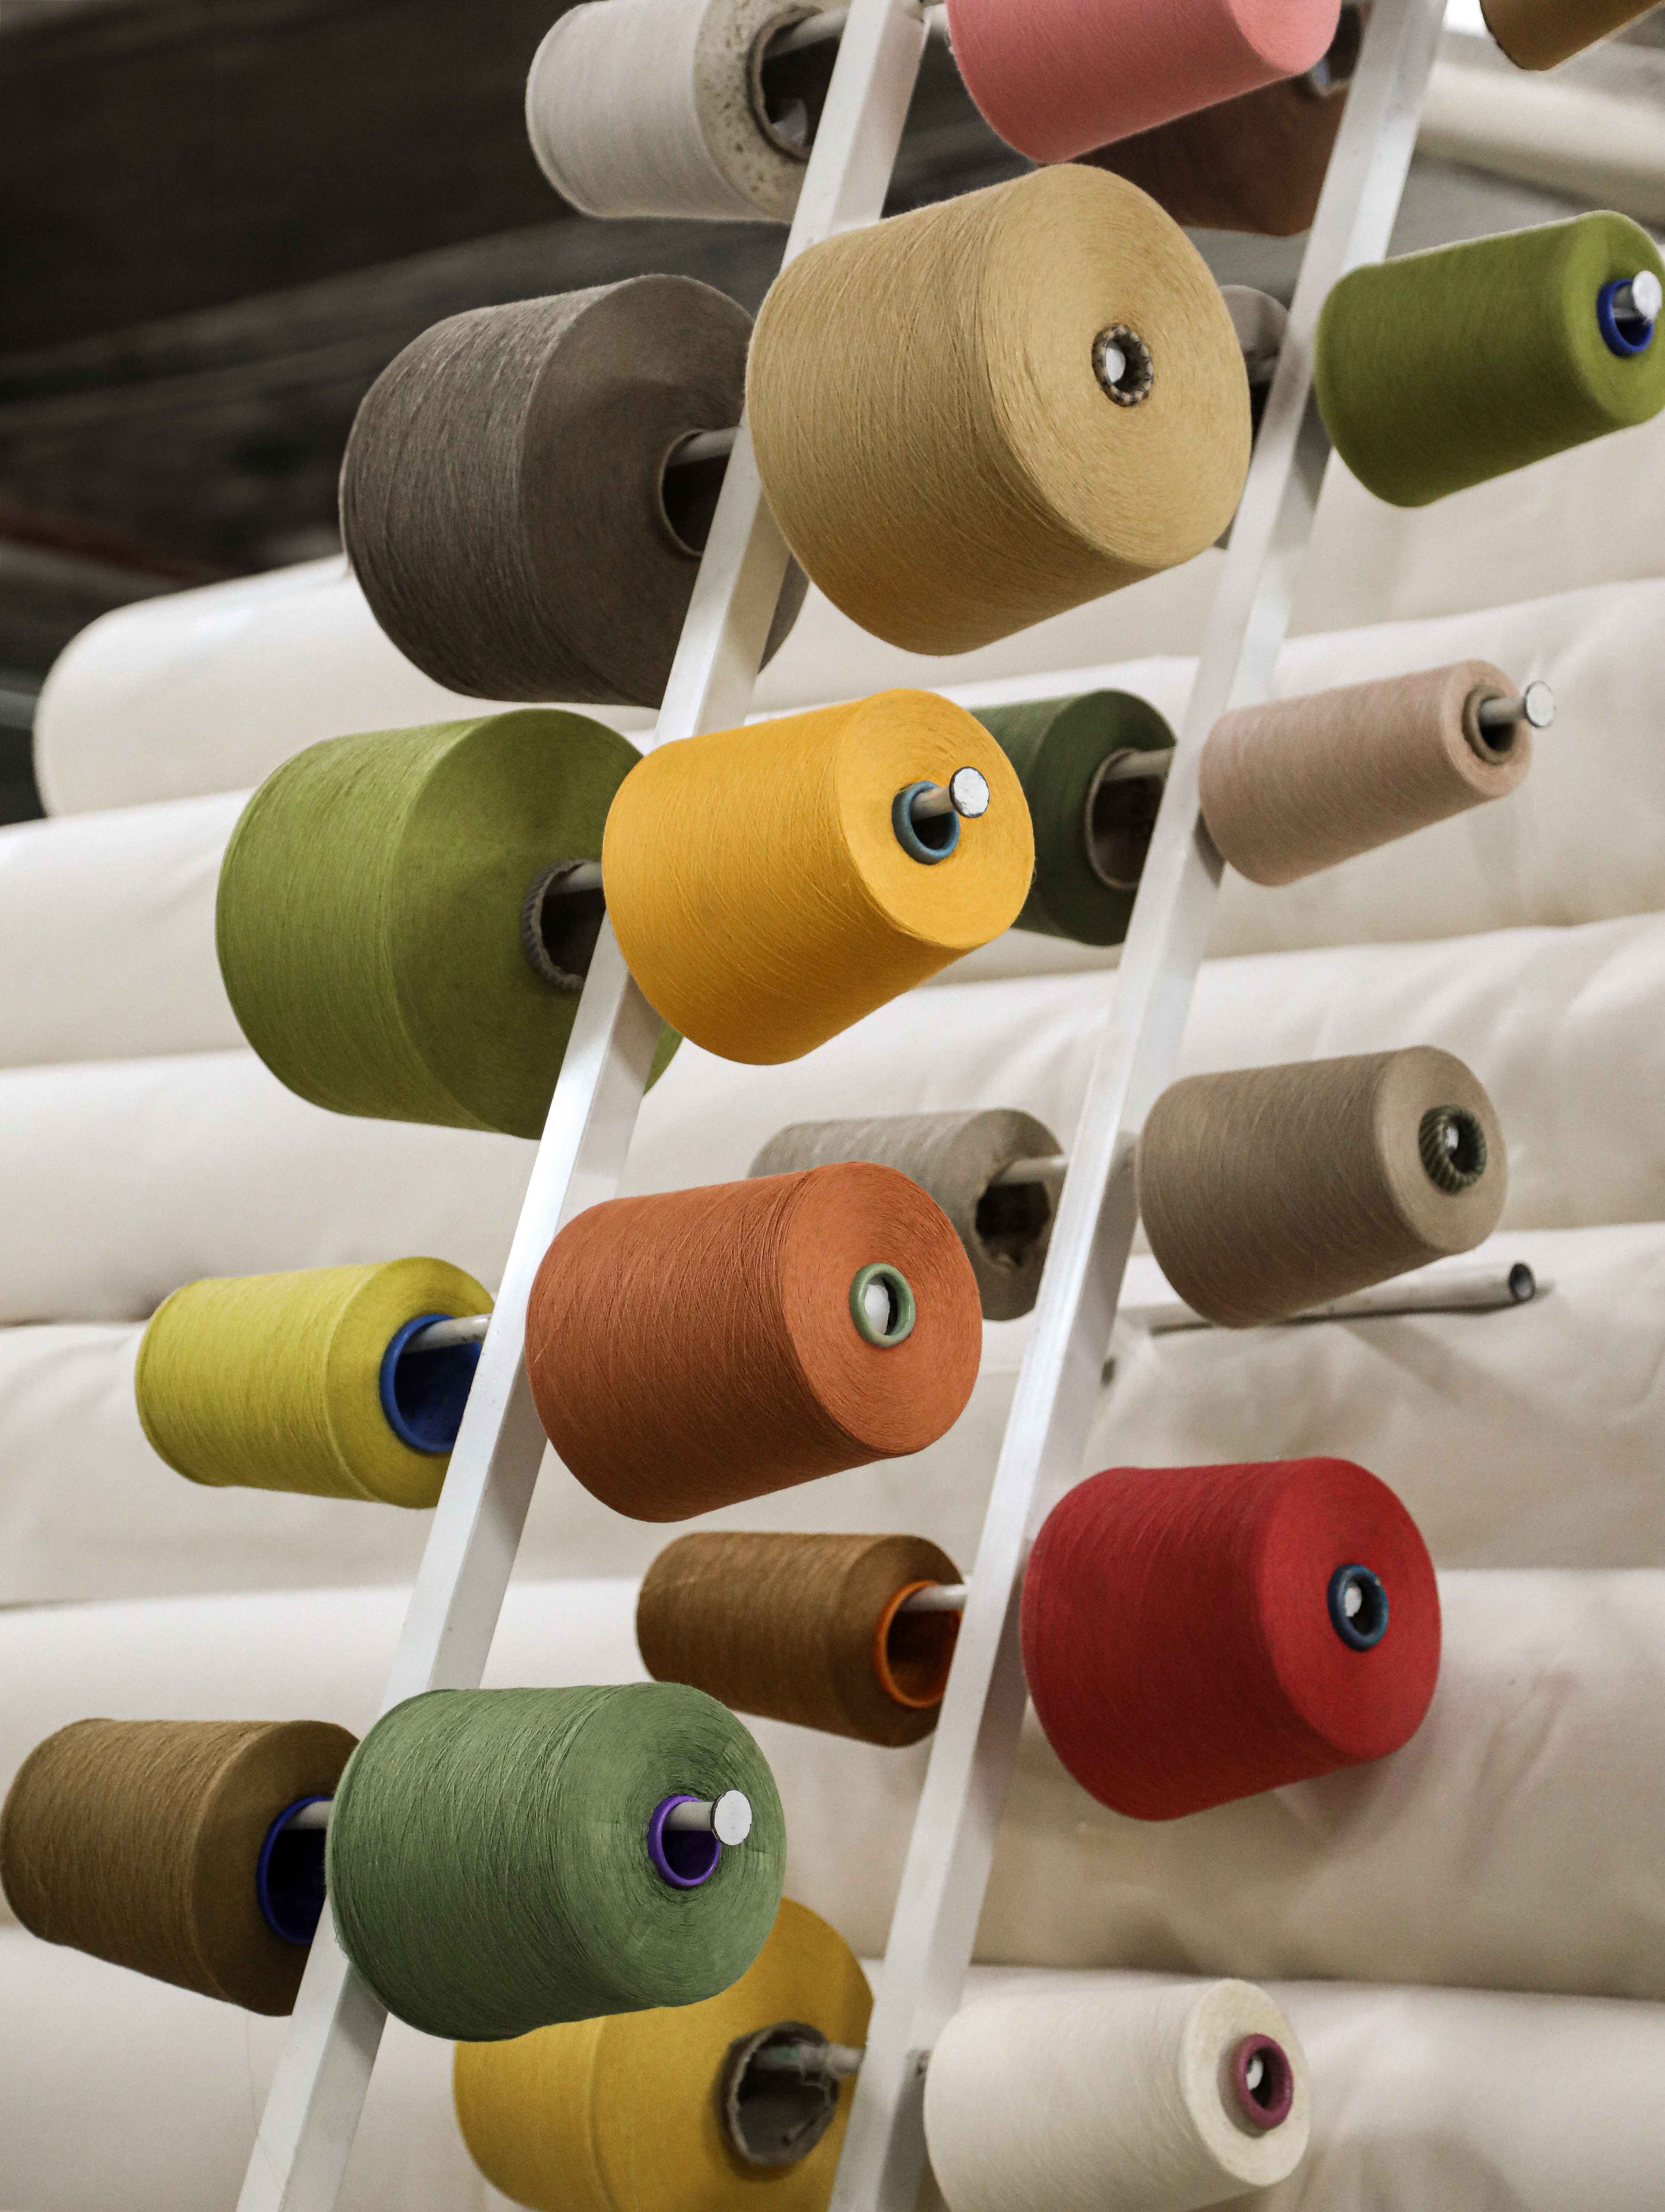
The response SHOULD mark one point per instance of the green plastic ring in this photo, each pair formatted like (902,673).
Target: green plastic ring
(904,1310)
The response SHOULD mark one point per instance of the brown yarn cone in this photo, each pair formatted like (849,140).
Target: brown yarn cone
(694,1349)
(1255,163)
(804,1629)
(137,1841)
(1274,1189)
(1536,34)
(1297,785)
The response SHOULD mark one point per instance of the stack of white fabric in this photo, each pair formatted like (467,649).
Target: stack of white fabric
(1512,1852)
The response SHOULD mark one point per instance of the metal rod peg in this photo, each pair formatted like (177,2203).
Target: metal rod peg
(838,2061)
(729,1819)
(1535,707)
(702,445)
(936,1597)
(311,1816)
(965,793)
(1467,1289)
(1641,300)
(440,1336)
(1049,1172)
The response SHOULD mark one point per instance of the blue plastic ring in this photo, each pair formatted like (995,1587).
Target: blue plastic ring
(289,1926)
(1364,1629)
(908,836)
(1613,332)
(437,1439)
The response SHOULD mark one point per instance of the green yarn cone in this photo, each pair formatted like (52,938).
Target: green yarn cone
(488,1861)
(1442,369)
(368,920)
(1057,747)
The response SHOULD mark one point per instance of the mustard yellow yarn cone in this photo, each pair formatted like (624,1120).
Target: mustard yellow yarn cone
(623,2114)
(273,1382)
(759,890)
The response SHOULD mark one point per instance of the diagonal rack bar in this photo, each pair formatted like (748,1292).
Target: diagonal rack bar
(947,1872)
(307,2131)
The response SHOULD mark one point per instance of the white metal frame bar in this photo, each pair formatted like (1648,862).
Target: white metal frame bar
(947,1872)
(307,2131)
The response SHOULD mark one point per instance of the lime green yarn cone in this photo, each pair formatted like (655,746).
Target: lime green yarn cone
(369,915)
(1442,369)
(1058,747)
(489,1868)
(273,1382)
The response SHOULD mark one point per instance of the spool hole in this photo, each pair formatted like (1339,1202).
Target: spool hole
(926,838)
(1357,1600)
(684,1858)
(1452,1143)
(1626,331)
(1121,361)
(1010,1220)
(688,496)
(882,1304)
(789,87)
(1333,71)
(560,926)
(1119,820)
(775,2115)
(1262,2083)
(423,1393)
(288,1875)
(913,1652)
(1492,744)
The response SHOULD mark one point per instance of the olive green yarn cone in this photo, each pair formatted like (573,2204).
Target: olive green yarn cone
(1057,747)
(369,915)
(273,1382)
(488,1861)
(1442,369)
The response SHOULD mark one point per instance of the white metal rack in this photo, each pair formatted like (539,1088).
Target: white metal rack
(312,2114)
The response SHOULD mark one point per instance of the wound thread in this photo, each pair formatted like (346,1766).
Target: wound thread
(954,1159)
(1443,369)
(1536,34)
(757,886)
(1179,1639)
(697,1348)
(621,2114)
(274,1382)
(502,495)
(931,433)
(139,1842)
(488,1864)
(1270,1190)
(1298,785)
(370,922)
(803,1628)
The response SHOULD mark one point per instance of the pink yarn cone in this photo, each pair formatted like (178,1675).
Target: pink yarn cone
(1059,77)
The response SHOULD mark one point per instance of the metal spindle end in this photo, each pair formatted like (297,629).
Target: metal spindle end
(1627,313)
(1049,1172)
(1535,707)
(935,1597)
(440,1336)
(1640,300)
(965,793)
(1133,767)
(702,445)
(728,1818)
(927,816)
(838,2062)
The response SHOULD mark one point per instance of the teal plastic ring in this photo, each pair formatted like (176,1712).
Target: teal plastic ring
(944,826)
(904,1310)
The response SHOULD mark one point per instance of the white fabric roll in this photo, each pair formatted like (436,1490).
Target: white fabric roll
(1528,1437)
(1449,2100)
(1517,1841)
(1111,2097)
(127,1178)
(136,1175)
(107,922)
(120,2094)
(639,107)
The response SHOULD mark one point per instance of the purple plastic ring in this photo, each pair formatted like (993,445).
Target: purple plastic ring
(1267,2097)
(682,1856)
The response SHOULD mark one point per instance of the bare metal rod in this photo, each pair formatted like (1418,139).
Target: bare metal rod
(836,2062)
(936,1597)
(729,1819)
(1535,705)
(816,30)
(1049,1172)
(440,1335)
(1468,1290)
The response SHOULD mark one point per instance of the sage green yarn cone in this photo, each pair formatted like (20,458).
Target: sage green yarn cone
(273,1382)
(369,915)
(488,1861)
(1058,747)
(1442,369)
